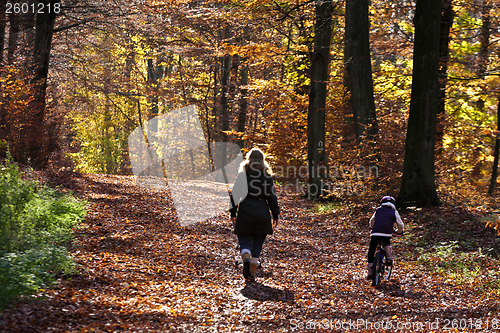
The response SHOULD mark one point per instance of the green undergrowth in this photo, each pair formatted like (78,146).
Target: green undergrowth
(475,270)
(454,245)
(35,231)
(326,207)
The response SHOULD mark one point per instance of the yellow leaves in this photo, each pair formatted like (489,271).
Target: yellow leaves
(254,51)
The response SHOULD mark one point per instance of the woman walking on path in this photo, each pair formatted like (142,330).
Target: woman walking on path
(253,202)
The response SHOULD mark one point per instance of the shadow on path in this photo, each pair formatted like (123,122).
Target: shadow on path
(260,292)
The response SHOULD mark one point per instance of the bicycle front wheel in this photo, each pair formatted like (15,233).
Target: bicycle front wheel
(388,271)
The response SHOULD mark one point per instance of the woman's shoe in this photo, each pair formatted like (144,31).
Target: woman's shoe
(254,264)
(246,265)
(246,269)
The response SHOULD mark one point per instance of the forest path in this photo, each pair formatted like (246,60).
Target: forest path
(138,271)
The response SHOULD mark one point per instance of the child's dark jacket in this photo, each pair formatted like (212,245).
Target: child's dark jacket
(385,220)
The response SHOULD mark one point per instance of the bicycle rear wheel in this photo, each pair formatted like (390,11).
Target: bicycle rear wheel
(377,267)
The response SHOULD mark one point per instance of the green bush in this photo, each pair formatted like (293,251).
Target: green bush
(35,230)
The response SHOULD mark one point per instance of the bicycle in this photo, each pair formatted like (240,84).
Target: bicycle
(381,269)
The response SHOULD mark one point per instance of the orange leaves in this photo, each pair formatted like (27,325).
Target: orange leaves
(256,51)
(493,222)
(139,271)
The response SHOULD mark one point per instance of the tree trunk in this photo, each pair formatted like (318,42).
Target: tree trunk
(107,149)
(224,101)
(215,114)
(243,102)
(155,73)
(3,126)
(39,143)
(481,71)
(242,116)
(494,171)
(13,37)
(447,17)
(316,154)
(418,185)
(3,21)
(358,70)
(27,26)
(485,34)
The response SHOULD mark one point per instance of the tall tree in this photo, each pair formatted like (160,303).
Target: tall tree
(418,183)
(242,115)
(316,154)
(155,73)
(358,69)
(3,24)
(447,17)
(485,34)
(496,153)
(40,142)
(13,36)
(3,21)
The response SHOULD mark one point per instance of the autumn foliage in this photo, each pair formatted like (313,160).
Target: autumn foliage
(137,269)
(246,66)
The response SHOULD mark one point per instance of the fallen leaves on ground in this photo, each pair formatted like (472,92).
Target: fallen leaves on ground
(139,271)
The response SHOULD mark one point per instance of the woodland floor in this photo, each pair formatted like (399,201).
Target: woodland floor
(138,271)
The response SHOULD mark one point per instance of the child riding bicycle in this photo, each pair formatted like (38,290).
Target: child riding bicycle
(382,224)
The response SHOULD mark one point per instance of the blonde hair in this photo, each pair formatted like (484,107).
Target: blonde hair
(256,159)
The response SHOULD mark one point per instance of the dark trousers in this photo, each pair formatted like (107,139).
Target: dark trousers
(373,246)
(253,243)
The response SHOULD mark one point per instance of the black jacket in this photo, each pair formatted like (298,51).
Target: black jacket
(252,211)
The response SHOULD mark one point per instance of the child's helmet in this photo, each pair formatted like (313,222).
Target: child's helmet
(388,198)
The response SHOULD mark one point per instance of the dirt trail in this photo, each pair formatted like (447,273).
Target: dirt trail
(138,271)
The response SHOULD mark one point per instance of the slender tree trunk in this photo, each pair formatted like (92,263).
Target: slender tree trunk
(481,71)
(224,100)
(447,17)
(485,34)
(243,101)
(358,69)
(494,171)
(418,184)
(107,147)
(210,114)
(242,116)
(155,73)
(28,32)
(129,63)
(13,37)
(3,125)
(38,141)
(215,115)
(316,154)
(3,22)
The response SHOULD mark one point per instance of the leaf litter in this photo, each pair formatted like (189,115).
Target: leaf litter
(138,270)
